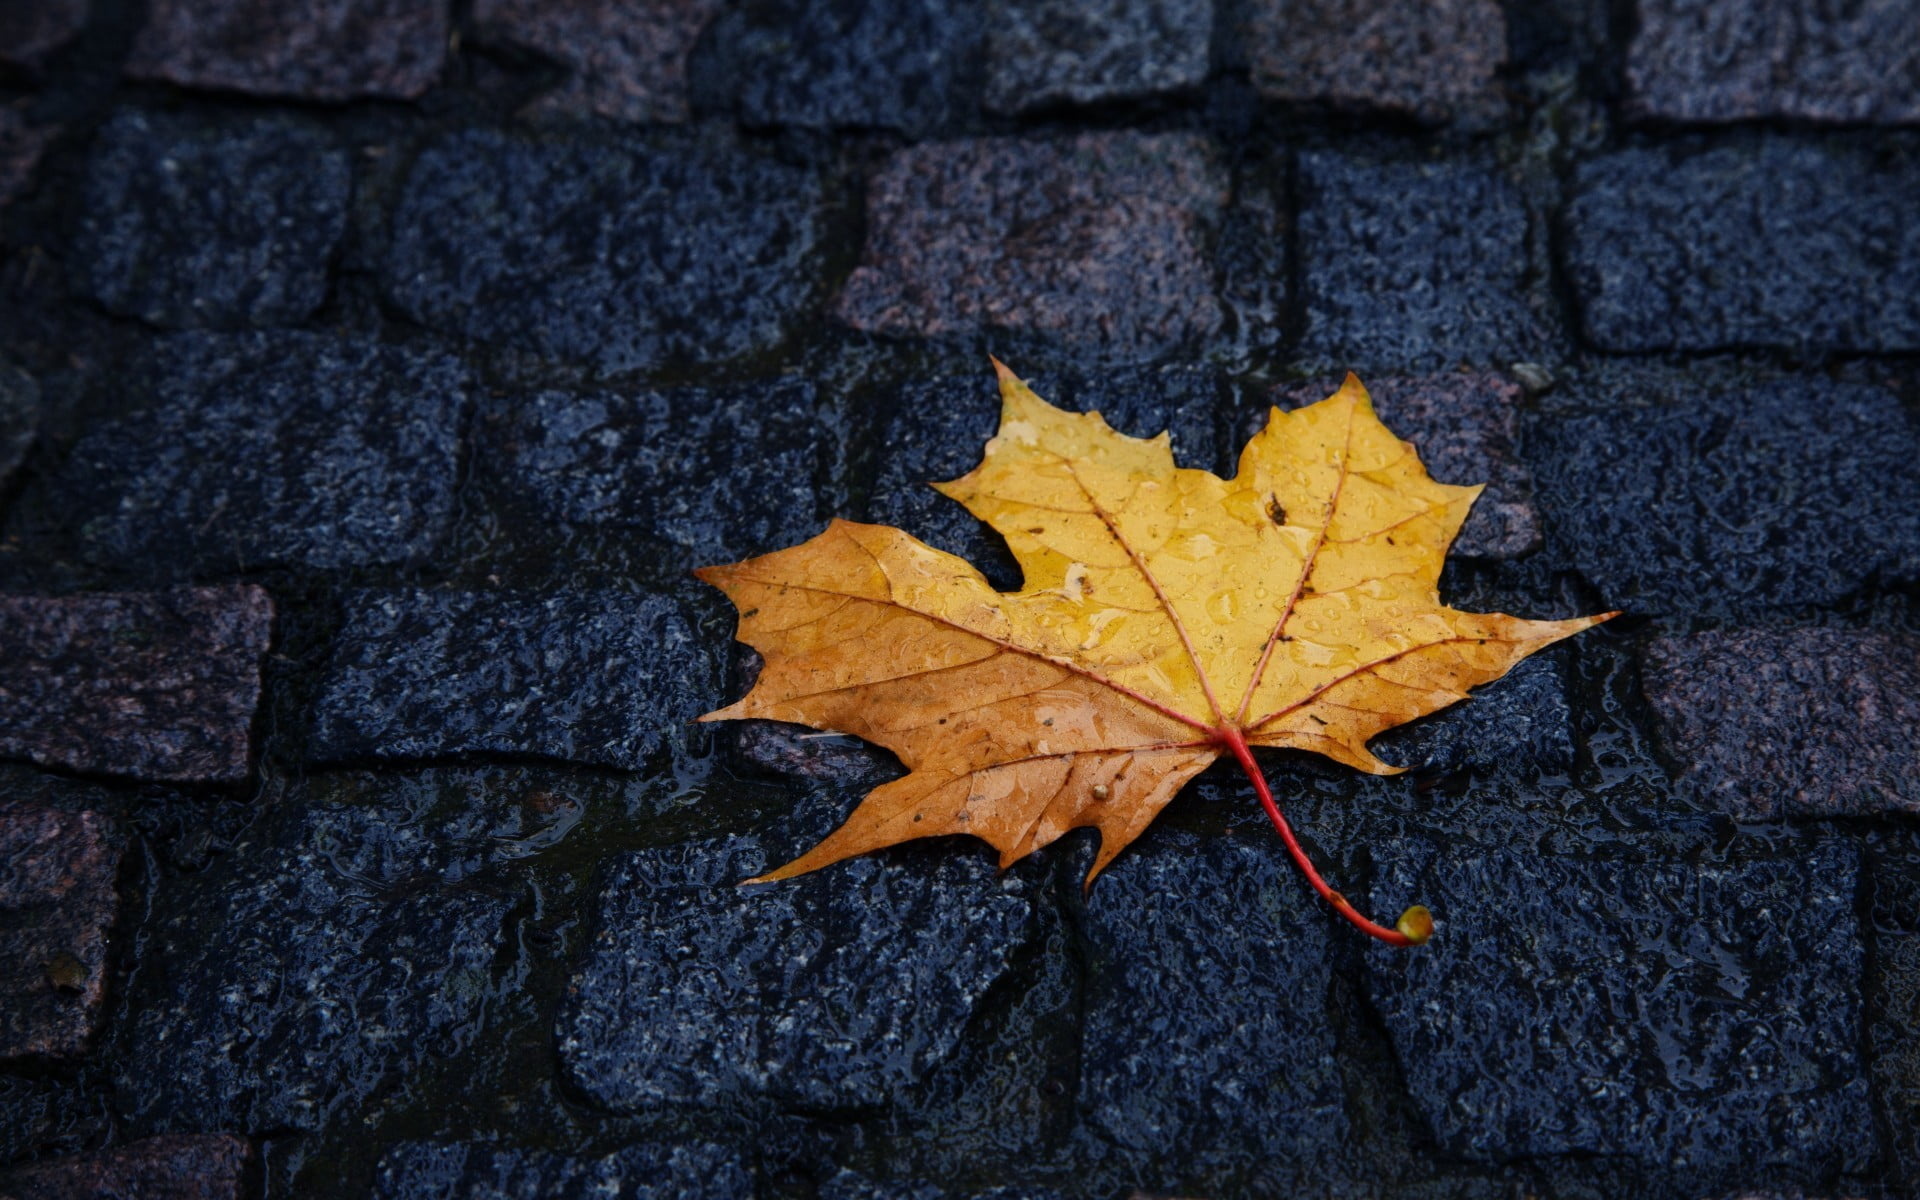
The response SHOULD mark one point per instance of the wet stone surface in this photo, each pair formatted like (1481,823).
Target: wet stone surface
(1770,723)
(268,449)
(207,1166)
(19,419)
(1679,495)
(1416,265)
(1775,58)
(155,685)
(30,32)
(1048,52)
(57,907)
(593,676)
(1522,717)
(1424,58)
(649,461)
(614,254)
(850,1185)
(836,991)
(21,144)
(189,227)
(623,60)
(1464,426)
(1099,241)
(476,1171)
(1764,242)
(319,50)
(1702,1018)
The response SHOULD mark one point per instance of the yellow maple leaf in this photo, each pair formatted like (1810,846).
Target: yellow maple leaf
(1167,617)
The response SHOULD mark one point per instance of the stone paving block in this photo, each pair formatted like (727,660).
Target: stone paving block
(32,30)
(1894,999)
(19,419)
(1048,52)
(850,1185)
(154,685)
(1692,1017)
(594,676)
(181,1166)
(627,61)
(1694,61)
(1770,723)
(21,144)
(190,226)
(1428,58)
(477,1171)
(318,50)
(57,906)
(890,64)
(1720,497)
(1178,1075)
(1522,718)
(1765,242)
(273,448)
(1097,240)
(839,990)
(726,474)
(610,253)
(1417,265)
(1464,425)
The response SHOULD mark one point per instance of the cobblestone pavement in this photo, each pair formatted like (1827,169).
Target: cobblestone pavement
(372,373)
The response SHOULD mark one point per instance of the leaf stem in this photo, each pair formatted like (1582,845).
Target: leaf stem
(1415,924)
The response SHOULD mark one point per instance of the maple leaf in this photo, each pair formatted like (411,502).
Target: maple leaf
(1167,617)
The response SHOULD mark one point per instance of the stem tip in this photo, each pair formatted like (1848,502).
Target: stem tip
(1415,924)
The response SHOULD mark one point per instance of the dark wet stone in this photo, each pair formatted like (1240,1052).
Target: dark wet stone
(32,29)
(19,419)
(892,64)
(610,253)
(273,448)
(338,947)
(1729,497)
(797,750)
(21,144)
(1771,723)
(1775,58)
(1770,242)
(155,685)
(725,474)
(1690,1017)
(624,60)
(1416,265)
(476,1171)
(1098,240)
(1208,1051)
(1428,58)
(190,226)
(57,905)
(838,990)
(1464,426)
(1895,1002)
(1521,718)
(850,1185)
(1045,52)
(186,1166)
(319,50)
(596,676)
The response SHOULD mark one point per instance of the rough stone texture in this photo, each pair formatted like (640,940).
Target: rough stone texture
(189,1166)
(1173,1073)
(30,30)
(608,253)
(1692,1017)
(783,749)
(1046,52)
(1428,58)
(594,676)
(1895,999)
(1725,498)
(1772,723)
(850,1185)
(334,950)
(273,448)
(19,419)
(21,144)
(624,60)
(1098,240)
(839,990)
(1415,265)
(1521,718)
(318,50)
(724,474)
(1694,60)
(57,904)
(187,226)
(155,685)
(1464,426)
(475,1171)
(894,64)
(1767,242)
